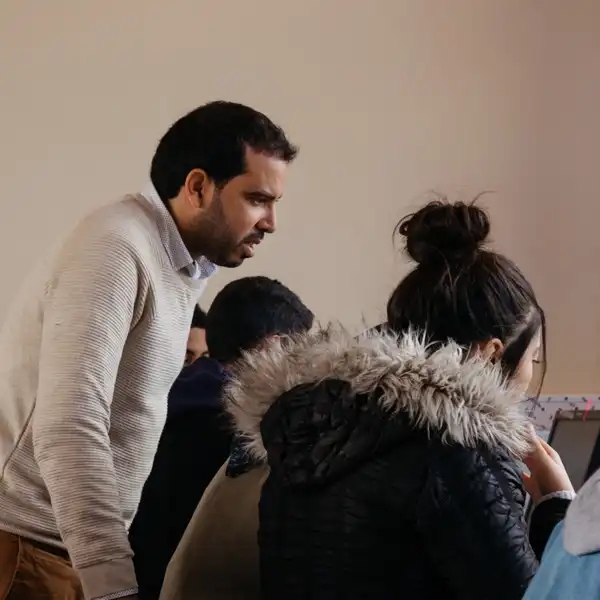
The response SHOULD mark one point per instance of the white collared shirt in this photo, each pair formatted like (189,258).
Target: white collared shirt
(180,257)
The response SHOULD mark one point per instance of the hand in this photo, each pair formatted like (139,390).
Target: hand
(547,472)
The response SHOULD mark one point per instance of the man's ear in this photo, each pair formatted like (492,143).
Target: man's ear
(491,350)
(198,189)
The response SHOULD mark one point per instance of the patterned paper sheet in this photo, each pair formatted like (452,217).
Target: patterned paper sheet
(543,409)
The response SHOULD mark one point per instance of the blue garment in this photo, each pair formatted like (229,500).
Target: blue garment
(565,576)
(194,444)
(570,568)
(199,385)
(240,460)
(209,377)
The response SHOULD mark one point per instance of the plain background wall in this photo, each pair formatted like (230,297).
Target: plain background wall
(387,98)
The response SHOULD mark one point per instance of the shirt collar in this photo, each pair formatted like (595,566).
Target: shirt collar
(178,254)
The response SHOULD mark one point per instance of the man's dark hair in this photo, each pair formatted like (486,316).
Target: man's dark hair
(198,318)
(249,310)
(214,137)
(461,291)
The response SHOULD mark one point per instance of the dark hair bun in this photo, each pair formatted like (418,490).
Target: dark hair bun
(445,233)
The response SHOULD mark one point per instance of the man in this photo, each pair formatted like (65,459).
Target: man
(218,555)
(197,437)
(196,345)
(95,341)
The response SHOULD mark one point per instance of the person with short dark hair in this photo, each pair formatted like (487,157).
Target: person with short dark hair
(196,346)
(197,437)
(248,311)
(393,458)
(97,338)
(220,170)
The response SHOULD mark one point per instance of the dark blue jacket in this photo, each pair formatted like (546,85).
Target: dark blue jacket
(195,443)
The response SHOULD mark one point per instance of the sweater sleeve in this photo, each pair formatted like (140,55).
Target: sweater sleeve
(91,305)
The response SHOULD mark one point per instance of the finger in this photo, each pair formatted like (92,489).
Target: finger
(529,484)
(547,452)
(530,462)
(536,455)
(548,448)
(543,450)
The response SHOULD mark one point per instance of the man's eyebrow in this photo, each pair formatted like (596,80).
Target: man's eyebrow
(261,195)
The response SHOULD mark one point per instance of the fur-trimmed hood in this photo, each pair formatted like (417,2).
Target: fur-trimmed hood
(461,399)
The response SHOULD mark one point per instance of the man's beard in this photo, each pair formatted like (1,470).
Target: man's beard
(211,237)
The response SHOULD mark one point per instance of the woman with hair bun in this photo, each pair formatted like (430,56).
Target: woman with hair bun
(395,458)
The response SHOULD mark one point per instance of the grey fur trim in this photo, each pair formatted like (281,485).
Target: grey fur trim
(464,398)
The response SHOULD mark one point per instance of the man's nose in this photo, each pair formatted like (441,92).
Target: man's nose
(269,223)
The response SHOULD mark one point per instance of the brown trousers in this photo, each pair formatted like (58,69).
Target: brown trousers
(32,571)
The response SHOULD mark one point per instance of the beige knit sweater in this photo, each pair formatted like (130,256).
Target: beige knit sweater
(87,357)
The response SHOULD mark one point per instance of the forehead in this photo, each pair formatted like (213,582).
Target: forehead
(264,174)
(536,342)
(197,337)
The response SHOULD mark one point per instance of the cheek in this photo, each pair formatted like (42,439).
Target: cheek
(238,217)
(524,375)
(247,221)
(197,342)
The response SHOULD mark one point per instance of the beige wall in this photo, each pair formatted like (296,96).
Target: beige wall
(387,98)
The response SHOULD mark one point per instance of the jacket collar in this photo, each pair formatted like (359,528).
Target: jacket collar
(464,399)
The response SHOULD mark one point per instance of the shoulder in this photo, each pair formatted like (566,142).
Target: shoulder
(121,233)
(477,471)
(128,222)
(111,252)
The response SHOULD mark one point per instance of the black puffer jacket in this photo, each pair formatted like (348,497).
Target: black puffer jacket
(393,473)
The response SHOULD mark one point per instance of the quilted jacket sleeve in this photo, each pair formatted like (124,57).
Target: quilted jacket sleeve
(472,522)
(545,517)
